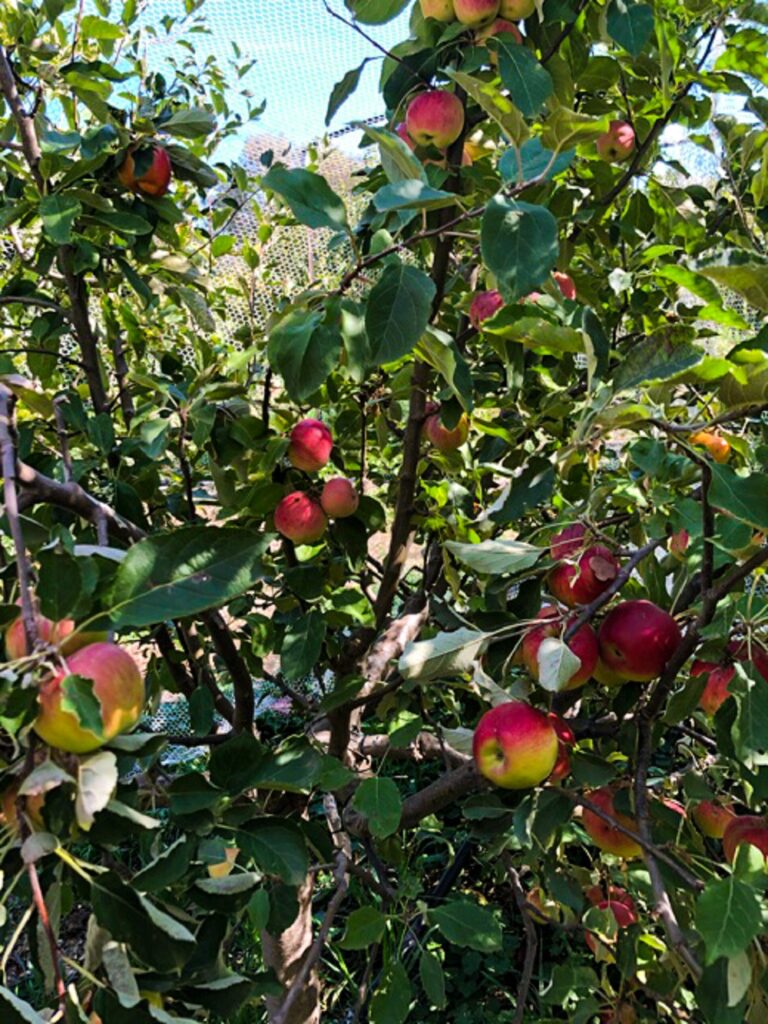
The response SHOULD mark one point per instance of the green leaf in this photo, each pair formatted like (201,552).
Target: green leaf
(183,573)
(728,917)
(375,12)
(712,996)
(496,103)
(96,782)
(529,83)
(78,698)
(93,27)
(397,158)
(496,557)
(302,646)
(398,310)
(658,357)
(744,497)
(750,280)
(309,196)
(304,351)
(17,1011)
(750,728)
(442,353)
(532,161)
(60,583)
(342,90)
(391,1001)
(221,245)
(193,123)
(168,867)
(379,801)
(59,213)
(277,847)
(364,927)
(411,194)
(466,924)
(566,128)
(519,245)
(433,979)
(557,664)
(629,24)
(692,281)
(446,654)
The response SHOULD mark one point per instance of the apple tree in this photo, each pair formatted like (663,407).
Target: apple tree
(455,564)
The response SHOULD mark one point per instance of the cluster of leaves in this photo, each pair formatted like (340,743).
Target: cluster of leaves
(135,413)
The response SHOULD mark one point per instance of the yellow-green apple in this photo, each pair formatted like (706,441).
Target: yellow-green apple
(440,436)
(300,518)
(637,639)
(517,9)
(718,446)
(496,28)
(745,829)
(583,644)
(339,498)
(607,837)
(475,13)
(118,686)
(568,541)
(154,181)
(440,10)
(583,580)
(565,283)
(712,818)
(617,144)
(483,306)
(565,740)
(33,808)
(618,902)
(435,118)
(515,745)
(311,443)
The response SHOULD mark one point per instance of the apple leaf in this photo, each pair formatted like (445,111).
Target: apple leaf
(17,1011)
(529,83)
(79,699)
(96,782)
(446,654)
(496,557)
(630,25)
(466,924)
(728,917)
(557,663)
(364,927)
(311,199)
(375,12)
(343,90)
(519,244)
(397,312)
(379,801)
(304,351)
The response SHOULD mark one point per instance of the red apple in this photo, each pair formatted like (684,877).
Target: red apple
(475,13)
(48,632)
(496,28)
(339,498)
(606,837)
(517,9)
(582,582)
(637,639)
(402,131)
(440,10)
(678,544)
(583,644)
(568,541)
(715,690)
(618,143)
(152,182)
(745,828)
(300,518)
(712,818)
(565,740)
(311,445)
(435,118)
(118,685)
(619,903)
(483,307)
(515,745)
(566,284)
(441,437)
(606,676)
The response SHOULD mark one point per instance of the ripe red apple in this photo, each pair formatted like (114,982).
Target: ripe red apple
(637,639)
(435,118)
(118,685)
(441,437)
(483,307)
(339,498)
(582,582)
(311,445)
(745,828)
(515,745)
(440,10)
(517,9)
(152,182)
(568,541)
(605,675)
(718,447)
(618,143)
(712,818)
(583,644)
(606,837)
(565,740)
(565,283)
(619,903)
(59,634)
(494,29)
(300,518)
(475,13)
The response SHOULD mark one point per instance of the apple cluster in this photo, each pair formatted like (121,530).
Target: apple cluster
(300,516)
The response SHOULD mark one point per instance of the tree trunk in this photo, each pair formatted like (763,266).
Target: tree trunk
(285,954)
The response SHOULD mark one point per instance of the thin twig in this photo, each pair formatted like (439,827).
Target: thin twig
(531,945)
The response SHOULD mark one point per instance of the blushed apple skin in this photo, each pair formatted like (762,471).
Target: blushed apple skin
(617,144)
(606,837)
(475,13)
(515,746)
(580,583)
(516,10)
(118,685)
(565,283)
(59,634)
(311,444)
(440,10)
(496,28)
(716,690)
(637,639)
(568,541)
(745,828)
(300,518)
(441,437)
(435,118)
(718,447)
(153,182)
(339,498)
(583,644)
(483,306)
(620,904)
(712,819)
